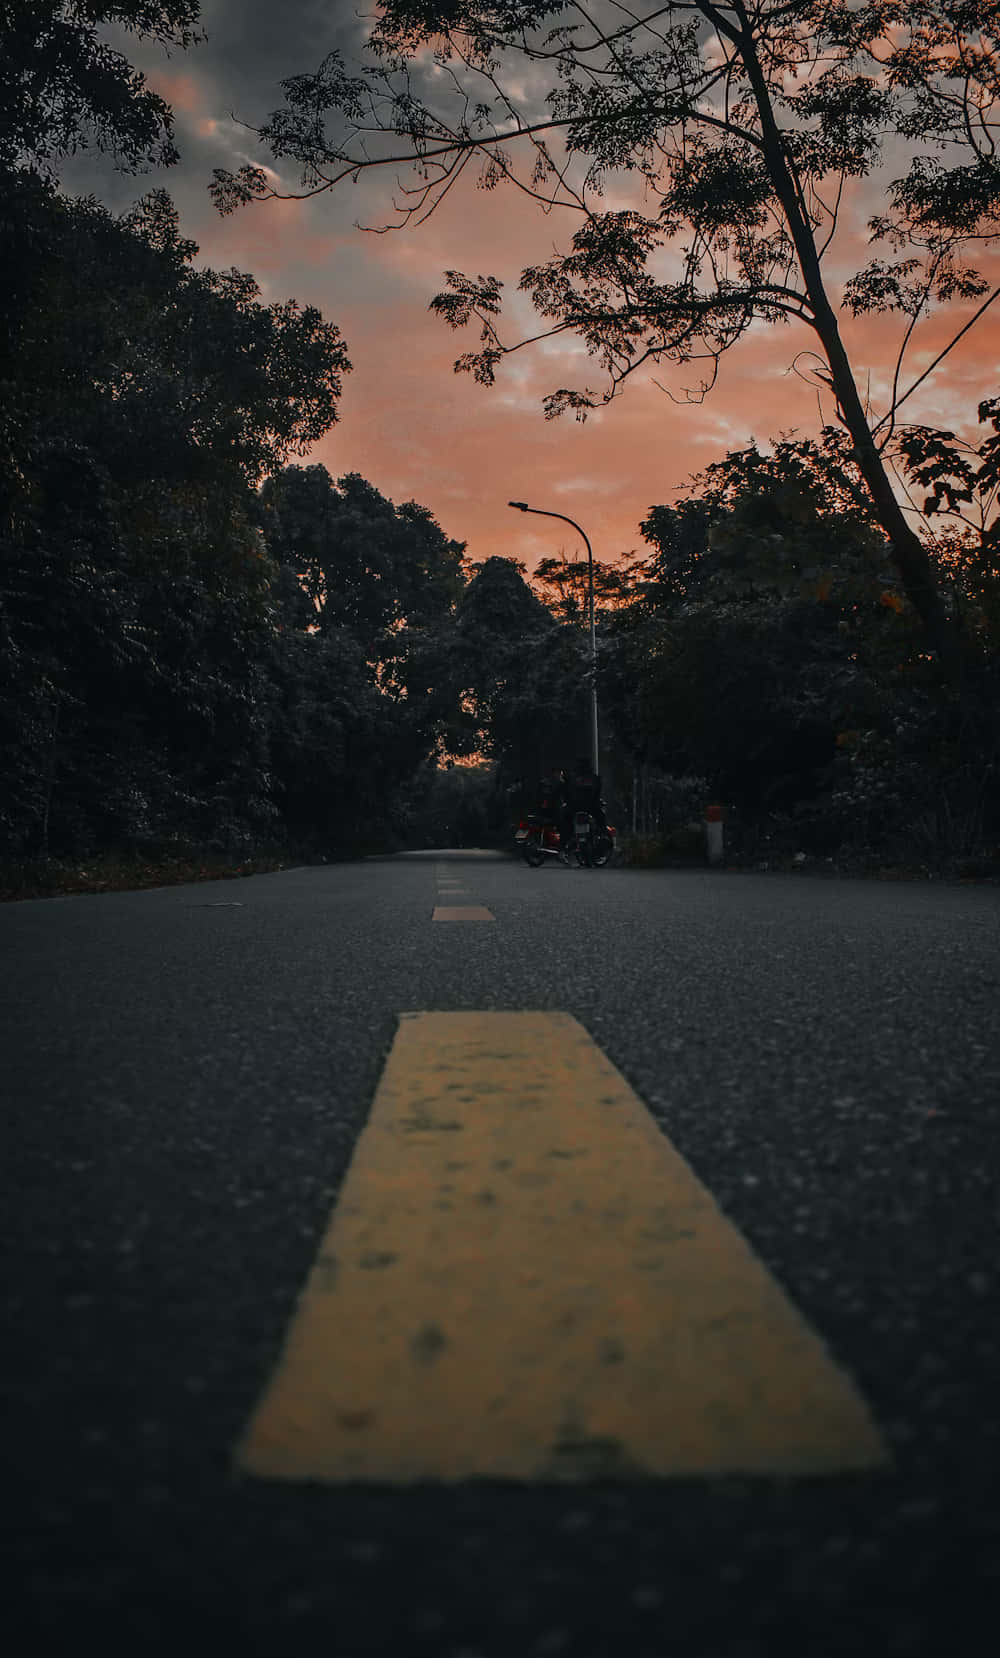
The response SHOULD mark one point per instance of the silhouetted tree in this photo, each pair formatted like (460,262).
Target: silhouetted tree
(363,563)
(366,591)
(63,86)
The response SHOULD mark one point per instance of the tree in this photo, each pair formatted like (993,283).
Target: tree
(740,126)
(770,650)
(792,521)
(61,84)
(362,563)
(959,509)
(521,674)
(140,399)
(679,535)
(446,805)
(335,744)
(168,371)
(366,593)
(564,585)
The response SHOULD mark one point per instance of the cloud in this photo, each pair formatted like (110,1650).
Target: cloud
(408,423)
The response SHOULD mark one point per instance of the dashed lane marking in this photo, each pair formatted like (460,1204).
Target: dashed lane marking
(462,912)
(523,1280)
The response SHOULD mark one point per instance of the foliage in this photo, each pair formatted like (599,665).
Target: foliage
(117,872)
(367,593)
(727,134)
(521,675)
(141,398)
(200,645)
(770,650)
(162,369)
(667,811)
(362,563)
(184,657)
(791,521)
(447,805)
(62,85)
(959,512)
(564,585)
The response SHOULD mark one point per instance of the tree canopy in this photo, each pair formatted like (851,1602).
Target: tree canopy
(730,133)
(362,562)
(63,86)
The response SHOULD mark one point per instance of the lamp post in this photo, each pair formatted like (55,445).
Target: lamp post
(522,506)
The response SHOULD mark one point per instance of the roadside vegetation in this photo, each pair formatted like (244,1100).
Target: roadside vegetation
(215,658)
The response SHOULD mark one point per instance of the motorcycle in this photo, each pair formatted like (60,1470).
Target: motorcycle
(537,838)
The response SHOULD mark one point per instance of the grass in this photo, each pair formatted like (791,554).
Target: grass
(901,862)
(125,872)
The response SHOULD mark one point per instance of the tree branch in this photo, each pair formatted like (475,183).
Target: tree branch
(890,413)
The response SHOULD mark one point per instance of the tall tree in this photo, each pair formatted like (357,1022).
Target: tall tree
(740,124)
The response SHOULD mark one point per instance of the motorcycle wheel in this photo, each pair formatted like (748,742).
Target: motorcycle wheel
(533,855)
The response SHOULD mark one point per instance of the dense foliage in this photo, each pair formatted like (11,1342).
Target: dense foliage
(63,86)
(768,651)
(139,399)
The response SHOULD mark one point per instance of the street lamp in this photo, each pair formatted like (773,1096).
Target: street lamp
(522,506)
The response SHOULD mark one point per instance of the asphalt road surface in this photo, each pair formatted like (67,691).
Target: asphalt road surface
(187,1072)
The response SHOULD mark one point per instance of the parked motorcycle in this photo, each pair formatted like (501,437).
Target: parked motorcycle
(537,838)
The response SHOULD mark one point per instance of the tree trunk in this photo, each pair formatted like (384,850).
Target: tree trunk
(908,551)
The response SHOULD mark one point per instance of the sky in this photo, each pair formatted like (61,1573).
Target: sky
(407,422)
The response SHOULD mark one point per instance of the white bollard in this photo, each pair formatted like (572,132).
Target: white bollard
(713,833)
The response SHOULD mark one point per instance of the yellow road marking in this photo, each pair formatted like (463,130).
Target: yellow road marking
(462,912)
(523,1280)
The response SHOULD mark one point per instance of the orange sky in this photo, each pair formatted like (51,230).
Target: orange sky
(409,424)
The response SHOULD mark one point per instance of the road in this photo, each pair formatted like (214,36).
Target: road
(188,1072)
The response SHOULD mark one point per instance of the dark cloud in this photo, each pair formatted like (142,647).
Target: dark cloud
(250,47)
(253,45)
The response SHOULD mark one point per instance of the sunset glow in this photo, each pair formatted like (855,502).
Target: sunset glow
(412,426)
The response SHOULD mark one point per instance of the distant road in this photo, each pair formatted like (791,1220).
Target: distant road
(188,1072)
